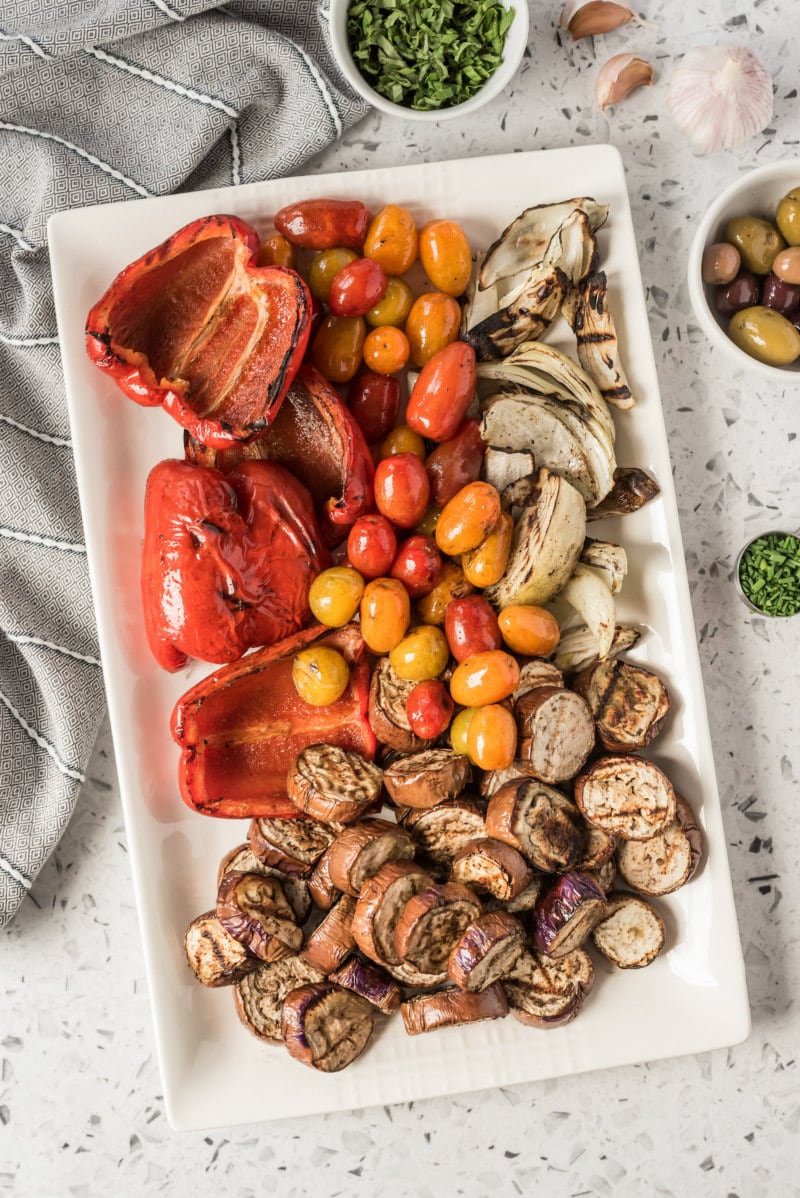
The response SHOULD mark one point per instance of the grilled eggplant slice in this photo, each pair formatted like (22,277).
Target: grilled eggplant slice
(259,996)
(605,876)
(664,862)
(332,784)
(527,899)
(538,820)
(325,1026)
(598,848)
(428,778)
(372,983)
(492,867)
(487,951)
(451,1008)
(632,489)
(388,693)
(631,934)
(320,884)
(332,941)
(627,796)
(255,910)
(579,648)
(556,732)
(545,993)
(215,957)
(431,924)
(442,831)
(364,848)
(598,348)
(629,704)
(380,905)
(537,672)
(244,860)
(291,845)
(566,914)
(523,315)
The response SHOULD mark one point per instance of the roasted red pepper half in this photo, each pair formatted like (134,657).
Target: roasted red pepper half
(317,438)
(196,326)
(227,561)
(242,727)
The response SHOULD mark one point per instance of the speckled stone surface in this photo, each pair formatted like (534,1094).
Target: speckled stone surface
(80,1107)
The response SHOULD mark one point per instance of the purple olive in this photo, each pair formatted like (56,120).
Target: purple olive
(783,297)
(743,292)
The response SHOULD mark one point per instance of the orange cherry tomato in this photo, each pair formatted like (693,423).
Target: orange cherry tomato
(277,251)
(443,392)
(386,350)
(456,462)
(337,347)
(486,565)
(385,614)
(484,678)
(459,730)
(401,489)
(392,239)
(451,585)
(324,268)
(394,307)
(492,738)
(467,518)
(433,323)
(445,255)
(403,439)
(528,630)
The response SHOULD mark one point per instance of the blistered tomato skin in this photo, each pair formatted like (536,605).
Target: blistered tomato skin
(486,565)
(456,462)
(429,709)
(337,347)
(323,224)
(277,251)
(385,614)
(394,307)
(320,675)
(445,255)
(468,518)
(471,627)
(433,322)
(484,678)
(459,730)
(492,738)
(421,655)
(324,268)
(335,595)
(385,350)
(392,239)
(418,565)
(374,402)
(357,287)
(401,489)
(451,585)
(403,439)
(371,546)
(443,392)
(529,630)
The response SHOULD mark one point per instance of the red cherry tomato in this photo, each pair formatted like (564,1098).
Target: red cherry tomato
(357,288)
(418,565)
(443,392)
(371,546)
(323,224)
(455,462)
(429,709)
(471,626)
(401,489)
(374,403)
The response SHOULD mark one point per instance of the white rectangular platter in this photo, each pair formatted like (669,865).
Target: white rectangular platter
(691,999)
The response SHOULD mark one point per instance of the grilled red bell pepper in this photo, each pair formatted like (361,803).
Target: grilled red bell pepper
(242,726)
(196,326)
(228,560)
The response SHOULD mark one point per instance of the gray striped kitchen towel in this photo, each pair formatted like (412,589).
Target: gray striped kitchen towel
(102,102)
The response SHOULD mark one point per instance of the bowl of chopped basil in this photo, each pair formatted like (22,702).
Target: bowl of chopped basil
(768,574)
(429,60)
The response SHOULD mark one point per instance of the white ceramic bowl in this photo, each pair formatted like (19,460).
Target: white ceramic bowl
(514,48)
(755,194)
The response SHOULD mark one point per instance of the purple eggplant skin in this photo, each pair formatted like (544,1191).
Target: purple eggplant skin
(574,897)
(322,1002)
(370,982)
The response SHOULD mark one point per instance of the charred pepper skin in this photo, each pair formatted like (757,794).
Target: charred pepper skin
(197,327)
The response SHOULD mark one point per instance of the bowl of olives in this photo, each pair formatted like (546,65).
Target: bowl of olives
(744,271)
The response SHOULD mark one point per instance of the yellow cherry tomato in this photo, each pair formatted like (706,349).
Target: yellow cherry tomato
(528,630)
(320,675)
(445,255)
(492,738)
(422,654)
(468,517)
(484,678)
(433,323)
(459,730)
(324,268)
(486,565)
(335,595)
(392,239)
(394,307)
(385,614)
(403,439)
(430,518)
(385,350)
(451,585)
(277,251)
(337,347)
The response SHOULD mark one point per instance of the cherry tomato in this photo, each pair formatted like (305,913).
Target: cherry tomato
(401,489)
(459,731)
(324,268)
(528,630)
(470,625)
(486,565)
(429,709)
(320,675)
(277,251)
(385,614)
(336,351)
(403,439)
(426,527)
(418,565)
(456,462)
(443,392)
(445,255)
(356,288)
(335,594)
(467,518)
(451,585)
(317,317)
(386,350)
(433,323)
(374,402)
(421,654)
(394,307)
(492,738)
(392,239)
(484,678)
(371,545)
(322,224)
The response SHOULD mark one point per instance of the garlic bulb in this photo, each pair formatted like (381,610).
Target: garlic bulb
(619,76)
(585,18)
(720,97)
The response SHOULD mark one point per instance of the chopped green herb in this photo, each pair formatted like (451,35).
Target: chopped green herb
(769,574)
(427,54)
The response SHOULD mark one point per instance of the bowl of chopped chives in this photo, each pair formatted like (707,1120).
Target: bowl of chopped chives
(429,60)
(768,574)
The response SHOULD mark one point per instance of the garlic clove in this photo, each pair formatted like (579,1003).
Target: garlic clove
(619,76)
(720,97)
(585,18)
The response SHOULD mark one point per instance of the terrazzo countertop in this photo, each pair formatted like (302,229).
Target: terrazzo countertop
(80,1106)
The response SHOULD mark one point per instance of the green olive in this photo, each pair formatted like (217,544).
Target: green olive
(787,216)
(756,240)
(766,335)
